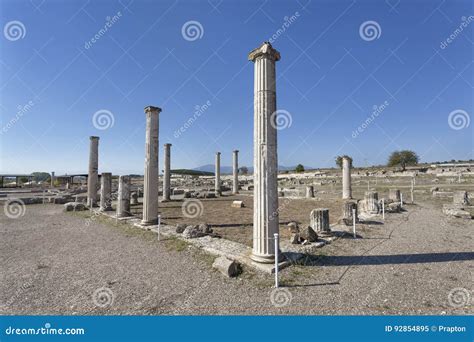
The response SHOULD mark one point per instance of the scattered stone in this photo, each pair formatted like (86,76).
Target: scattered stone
(393,207)
(180,227)
(74,206)
(295,238)
(461,198)
(192,232)
(187,194)
(205,228)
(227,267)
(293,227)
(319,221)
(347,209)
(456,211)
(237,204)
(308,234)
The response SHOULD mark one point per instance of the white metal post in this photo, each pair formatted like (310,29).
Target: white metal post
(277,243)
(401,200)
(383,208)
(354,222)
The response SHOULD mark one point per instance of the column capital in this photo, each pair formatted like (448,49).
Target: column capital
(266,50)
(92,137)
(167,145)
(235,151)
(152,109)
(218,153)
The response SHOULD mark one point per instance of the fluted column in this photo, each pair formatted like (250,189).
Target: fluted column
(265,211)
(93,177)
(150,182)
(235,172)
(346,178)
(106,191)
(166,173)
(217,186)
(123,201)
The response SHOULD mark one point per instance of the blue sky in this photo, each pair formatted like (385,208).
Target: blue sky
(331,75)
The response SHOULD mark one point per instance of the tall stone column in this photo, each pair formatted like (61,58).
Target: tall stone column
(167,174)
(123,201)
(265,195)
(235,172)
(52,179)
(217,186)
(93,177)
(346,178)
(106,191)
(150,182)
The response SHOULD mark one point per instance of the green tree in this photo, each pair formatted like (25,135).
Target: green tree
(403,159)
(339,160)
(299,168)
(244,170)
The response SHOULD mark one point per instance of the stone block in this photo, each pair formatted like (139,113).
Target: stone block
(237,204)
(227,267)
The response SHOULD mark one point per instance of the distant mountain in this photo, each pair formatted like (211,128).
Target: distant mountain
(228,169)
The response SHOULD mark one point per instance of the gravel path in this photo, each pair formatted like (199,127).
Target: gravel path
(53,262)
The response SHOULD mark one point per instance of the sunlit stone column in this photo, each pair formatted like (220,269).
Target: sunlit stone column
(235,172)
(150,182)
(217,186)
(346,178)
(52,179)
(106,191)
(123,201)
(167,173)
(93,178)
(265,210)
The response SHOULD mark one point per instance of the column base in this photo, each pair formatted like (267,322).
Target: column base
(263,258)
(149,222)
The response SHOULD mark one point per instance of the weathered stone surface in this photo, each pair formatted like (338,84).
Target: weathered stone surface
(295,238)
(346,178)
(308,234)
(205,228)
(93,176)
(217,183)
(134,198)
(238,204)
(167,173)
(235,172)
(310,191)
(433,189)
(293,227)
(394,195)
(456,211)
(192,232)
(180,227)
(394,207)
(106,191)
(461,198)
(319,220)
(123,202)
(227,267)
(74,206)
(347,211)
(370,203)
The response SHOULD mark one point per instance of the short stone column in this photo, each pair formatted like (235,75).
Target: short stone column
(167,173)
(52,179)
(346,178)
(460,198)
(106,191)
(134,198)
(347,212)
(265,158)
(123,203)
(394,195)
(309,191)
(150,181)
(217,185)
(319,221)
(235,172)
(93,176)
(371,202)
